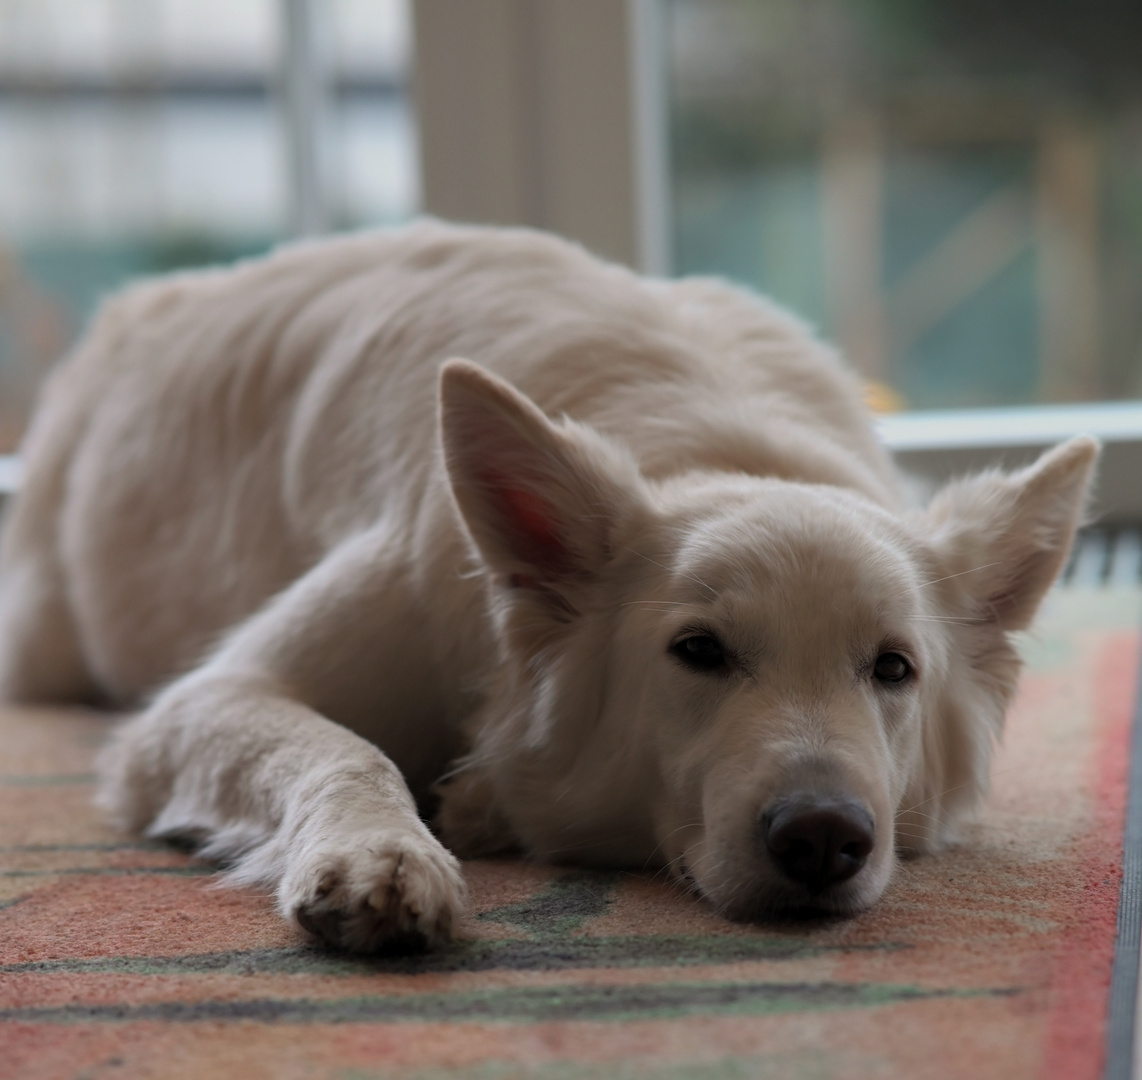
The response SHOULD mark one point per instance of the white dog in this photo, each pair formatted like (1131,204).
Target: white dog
(636,581)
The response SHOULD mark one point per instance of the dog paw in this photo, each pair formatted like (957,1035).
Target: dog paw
(132,785)
(469,819)
(390,891)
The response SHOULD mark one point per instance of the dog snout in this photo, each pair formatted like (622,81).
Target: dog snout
(818,840)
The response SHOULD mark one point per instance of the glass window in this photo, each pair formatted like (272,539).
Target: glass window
(952,189)
(145,135)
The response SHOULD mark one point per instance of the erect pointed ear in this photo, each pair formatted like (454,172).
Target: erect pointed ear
(1005,538)
(541,500)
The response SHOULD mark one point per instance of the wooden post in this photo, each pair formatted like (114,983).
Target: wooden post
(536,112)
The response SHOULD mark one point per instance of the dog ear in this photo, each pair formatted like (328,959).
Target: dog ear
(540,499)
(1004,538)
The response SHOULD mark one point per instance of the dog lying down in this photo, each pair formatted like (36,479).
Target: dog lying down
(608,570)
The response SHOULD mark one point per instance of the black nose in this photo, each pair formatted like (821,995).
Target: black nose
(818,840)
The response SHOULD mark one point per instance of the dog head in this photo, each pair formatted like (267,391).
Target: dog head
(767,686)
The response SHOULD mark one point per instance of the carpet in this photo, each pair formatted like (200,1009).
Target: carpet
(119,958)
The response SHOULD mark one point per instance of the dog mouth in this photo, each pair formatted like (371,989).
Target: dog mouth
(770,900)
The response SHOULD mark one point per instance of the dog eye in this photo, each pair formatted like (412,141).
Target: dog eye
(702,652)
(891,667)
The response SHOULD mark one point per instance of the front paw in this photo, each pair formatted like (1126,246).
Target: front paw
(470,819)
(133,780)
(389,889)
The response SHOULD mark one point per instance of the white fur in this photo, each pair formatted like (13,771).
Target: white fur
(242,512)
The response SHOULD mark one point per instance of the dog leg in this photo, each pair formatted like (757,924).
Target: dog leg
(41,659)
(239,755)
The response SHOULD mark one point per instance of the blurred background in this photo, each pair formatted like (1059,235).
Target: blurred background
(139,136)
(950,189)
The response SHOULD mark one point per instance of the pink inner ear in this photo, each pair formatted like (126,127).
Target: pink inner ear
(531,524)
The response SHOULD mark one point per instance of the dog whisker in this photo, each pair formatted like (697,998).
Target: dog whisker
(949,577)
(657,603)
(924,835)
(946,791)
(658,846)
(931,817)
(919,835)
(903,868)
(666,874)
(693,577)
(919,813)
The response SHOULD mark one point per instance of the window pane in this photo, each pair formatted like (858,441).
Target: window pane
(139,136)
(952,189)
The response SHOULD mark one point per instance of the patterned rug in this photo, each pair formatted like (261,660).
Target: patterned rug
(119,959)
